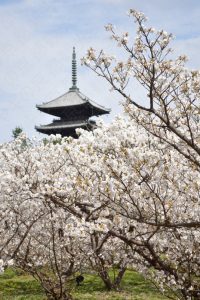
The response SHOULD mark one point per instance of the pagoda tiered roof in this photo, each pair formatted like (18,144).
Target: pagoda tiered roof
(72,100)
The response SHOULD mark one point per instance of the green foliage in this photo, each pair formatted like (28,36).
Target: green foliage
(16,285)
(16,132)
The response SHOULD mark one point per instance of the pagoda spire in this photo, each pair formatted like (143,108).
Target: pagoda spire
(74,71)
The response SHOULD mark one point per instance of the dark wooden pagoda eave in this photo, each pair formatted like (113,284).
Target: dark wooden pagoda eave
(65,131)
(65,111)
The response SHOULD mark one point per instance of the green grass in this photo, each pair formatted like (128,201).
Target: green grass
(14,286)
(20,286)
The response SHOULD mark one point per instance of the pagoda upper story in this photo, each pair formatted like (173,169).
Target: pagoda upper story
(73,108)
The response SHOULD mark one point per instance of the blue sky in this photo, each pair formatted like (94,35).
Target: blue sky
(36,40)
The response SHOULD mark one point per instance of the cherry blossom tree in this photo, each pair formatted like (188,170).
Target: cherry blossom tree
(151,204)
(105,255)
(33,235)
(46,239)
(153,174)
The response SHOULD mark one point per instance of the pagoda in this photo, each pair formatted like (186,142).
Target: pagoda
(73,109)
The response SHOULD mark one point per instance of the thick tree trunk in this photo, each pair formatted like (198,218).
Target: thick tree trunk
(106,279)
(119,277)
(112,285)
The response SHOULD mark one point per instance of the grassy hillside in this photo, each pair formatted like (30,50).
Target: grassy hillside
(15,286)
